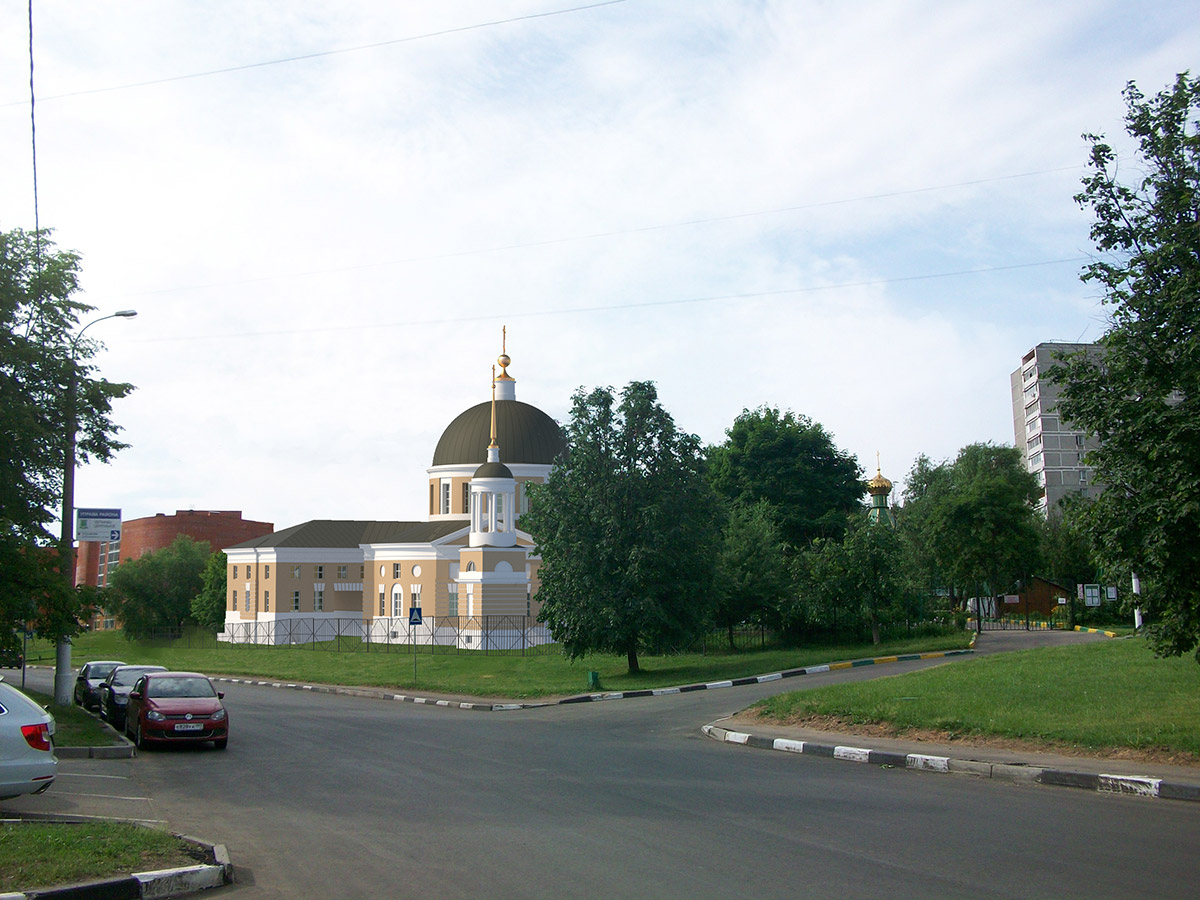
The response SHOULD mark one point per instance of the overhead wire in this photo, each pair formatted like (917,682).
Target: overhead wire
(300,57)
(595,235)
(458,319)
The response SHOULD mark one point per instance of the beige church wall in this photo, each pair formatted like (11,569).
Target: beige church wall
(500,600)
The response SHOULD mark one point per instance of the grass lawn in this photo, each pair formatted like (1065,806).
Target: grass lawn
(473,674)
(42,854)
(1097,697)
(74,726)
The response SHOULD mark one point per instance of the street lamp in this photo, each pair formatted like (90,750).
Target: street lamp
(62,655)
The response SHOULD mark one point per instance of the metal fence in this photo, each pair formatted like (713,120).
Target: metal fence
(515,635)
(1025,622)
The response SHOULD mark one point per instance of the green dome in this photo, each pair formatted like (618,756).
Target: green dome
(525,434)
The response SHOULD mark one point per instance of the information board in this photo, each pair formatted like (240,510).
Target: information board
(98,524)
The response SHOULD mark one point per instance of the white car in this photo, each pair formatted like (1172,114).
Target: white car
(27,761)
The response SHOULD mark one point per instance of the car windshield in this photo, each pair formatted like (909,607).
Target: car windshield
(126,678)
(100,671)
(179,687)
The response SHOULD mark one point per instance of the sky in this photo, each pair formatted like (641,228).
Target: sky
(324,214)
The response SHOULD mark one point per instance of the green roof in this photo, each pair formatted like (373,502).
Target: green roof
(343,533)
(524,432)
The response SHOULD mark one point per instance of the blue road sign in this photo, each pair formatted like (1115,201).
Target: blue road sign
(414,616)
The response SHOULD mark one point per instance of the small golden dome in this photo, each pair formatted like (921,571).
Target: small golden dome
(879,484)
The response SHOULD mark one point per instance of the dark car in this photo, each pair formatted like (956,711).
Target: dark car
(175,707)
(90,679)
(114,691)
(11,656)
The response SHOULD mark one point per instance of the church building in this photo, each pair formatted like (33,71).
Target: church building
(466,561)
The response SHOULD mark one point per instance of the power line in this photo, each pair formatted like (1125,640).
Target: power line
(324,53)
(613,307)
(619,232)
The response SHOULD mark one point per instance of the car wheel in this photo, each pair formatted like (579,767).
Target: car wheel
(221,744)
(137,738)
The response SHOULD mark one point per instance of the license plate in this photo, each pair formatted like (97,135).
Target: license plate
(190,726)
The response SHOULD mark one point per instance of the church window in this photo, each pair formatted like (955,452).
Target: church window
(266,601)
(235,601)
(342,573)
(466,497)
(266,571)
(445,496)
(452,606)
(318,599)
(397,601)
(296,600)
(235,572)
(395,570)
(470,567)
(415,597)
(318,572)
(295,571)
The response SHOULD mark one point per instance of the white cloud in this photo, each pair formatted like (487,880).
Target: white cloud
(312,246)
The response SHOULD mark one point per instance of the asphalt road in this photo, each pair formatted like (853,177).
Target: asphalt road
(335,796)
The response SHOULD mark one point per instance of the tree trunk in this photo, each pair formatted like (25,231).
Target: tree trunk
(631,656)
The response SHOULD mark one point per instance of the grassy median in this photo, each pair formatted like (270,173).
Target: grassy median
(37,855)
(546,674)
(1100,697)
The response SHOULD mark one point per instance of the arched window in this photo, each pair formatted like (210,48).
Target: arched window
(397,601)
(470,567)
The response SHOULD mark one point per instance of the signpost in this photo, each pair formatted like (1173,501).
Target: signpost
(98,525)
(414,618)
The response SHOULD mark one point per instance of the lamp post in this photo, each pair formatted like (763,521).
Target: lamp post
(62,655)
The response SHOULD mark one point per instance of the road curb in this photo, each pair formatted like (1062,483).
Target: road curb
(594,696)
(154,885)
(1138,785)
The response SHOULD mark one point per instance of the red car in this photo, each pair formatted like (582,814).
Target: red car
(176,707)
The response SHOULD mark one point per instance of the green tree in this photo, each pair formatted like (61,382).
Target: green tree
(40,355)
(753,572)
(881,580)
(156,591)
(208,606)
(790,462)
(1068,557)
(824,604)
(865,576)
(1142,399)
(974,520)
(627,528)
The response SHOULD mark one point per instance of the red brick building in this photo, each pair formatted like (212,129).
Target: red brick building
(221,528)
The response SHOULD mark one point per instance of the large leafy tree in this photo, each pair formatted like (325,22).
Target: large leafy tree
(974,520)
(627,528)
(40,357)
(866,577)
(156,591)
(791,463)
(754,575)
(1142,399)
(208,606)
